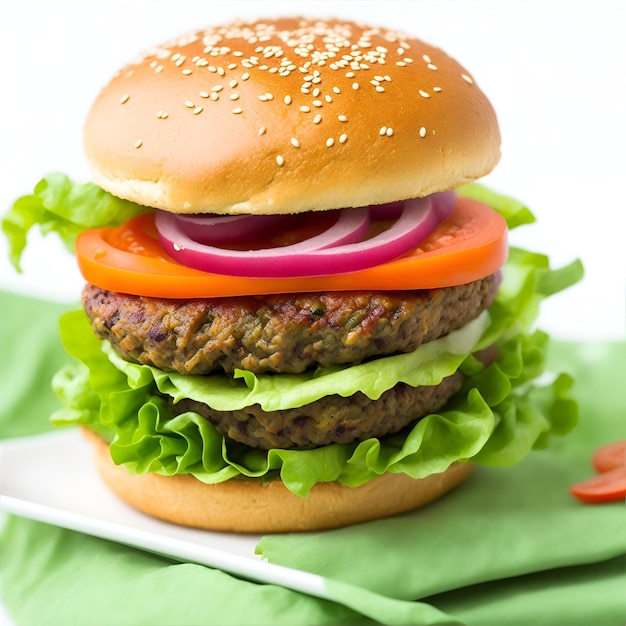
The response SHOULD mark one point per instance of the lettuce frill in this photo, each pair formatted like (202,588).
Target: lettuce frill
(62,206)
(501,413)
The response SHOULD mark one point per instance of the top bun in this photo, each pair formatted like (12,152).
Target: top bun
(289,115)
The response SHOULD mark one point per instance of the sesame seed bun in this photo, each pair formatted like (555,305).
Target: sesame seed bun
(251,506)
(286,116)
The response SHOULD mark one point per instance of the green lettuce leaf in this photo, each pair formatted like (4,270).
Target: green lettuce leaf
(428,365)
(497,419)
(65,207)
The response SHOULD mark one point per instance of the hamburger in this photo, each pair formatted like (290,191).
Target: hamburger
(300,311)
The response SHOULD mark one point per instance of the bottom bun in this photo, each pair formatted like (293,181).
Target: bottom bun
(247,505)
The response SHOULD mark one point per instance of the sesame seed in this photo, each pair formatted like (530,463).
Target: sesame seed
(189,104)
(280,160)
(343,138)
(422,131)
(342,118)
(287,99)
(317,119)
(317,103)
(329,142)
(204,94)
(187,72)
(162,115)
(355,86)
(389,132)
(437,89)
(198,110)
(233,83)
(467,79)
(138,143)
(424,94)
(234,96)
(350,74)
(237,111)
(383,131)
(261,130)
(124,99)
(380,88)
(336,90)
(426,58)
(305,109)
(294,142)
(431,66)
(217,88)
(215,96)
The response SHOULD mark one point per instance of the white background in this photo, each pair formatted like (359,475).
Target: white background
(555,72)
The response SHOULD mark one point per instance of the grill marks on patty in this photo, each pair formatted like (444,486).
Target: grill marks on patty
(279,333)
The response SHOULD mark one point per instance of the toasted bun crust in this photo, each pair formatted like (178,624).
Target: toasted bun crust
(289,115)
(251,506)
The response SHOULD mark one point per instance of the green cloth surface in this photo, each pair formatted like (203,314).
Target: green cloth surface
(509,547)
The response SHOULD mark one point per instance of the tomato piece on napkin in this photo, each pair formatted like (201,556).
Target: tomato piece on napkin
(609,457)
(606,487)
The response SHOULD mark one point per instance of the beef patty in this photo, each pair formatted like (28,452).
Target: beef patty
(279,333)
(332,419)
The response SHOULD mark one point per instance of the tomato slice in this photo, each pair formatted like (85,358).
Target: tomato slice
(606,487)
(609,457)
(469,245)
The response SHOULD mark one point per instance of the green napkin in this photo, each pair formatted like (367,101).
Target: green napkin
(509,547)
(31,353)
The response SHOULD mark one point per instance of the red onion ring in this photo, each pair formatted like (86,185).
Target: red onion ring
(351,226)
(225,229)
(342,248)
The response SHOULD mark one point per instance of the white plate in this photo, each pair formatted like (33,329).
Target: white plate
(50,478)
